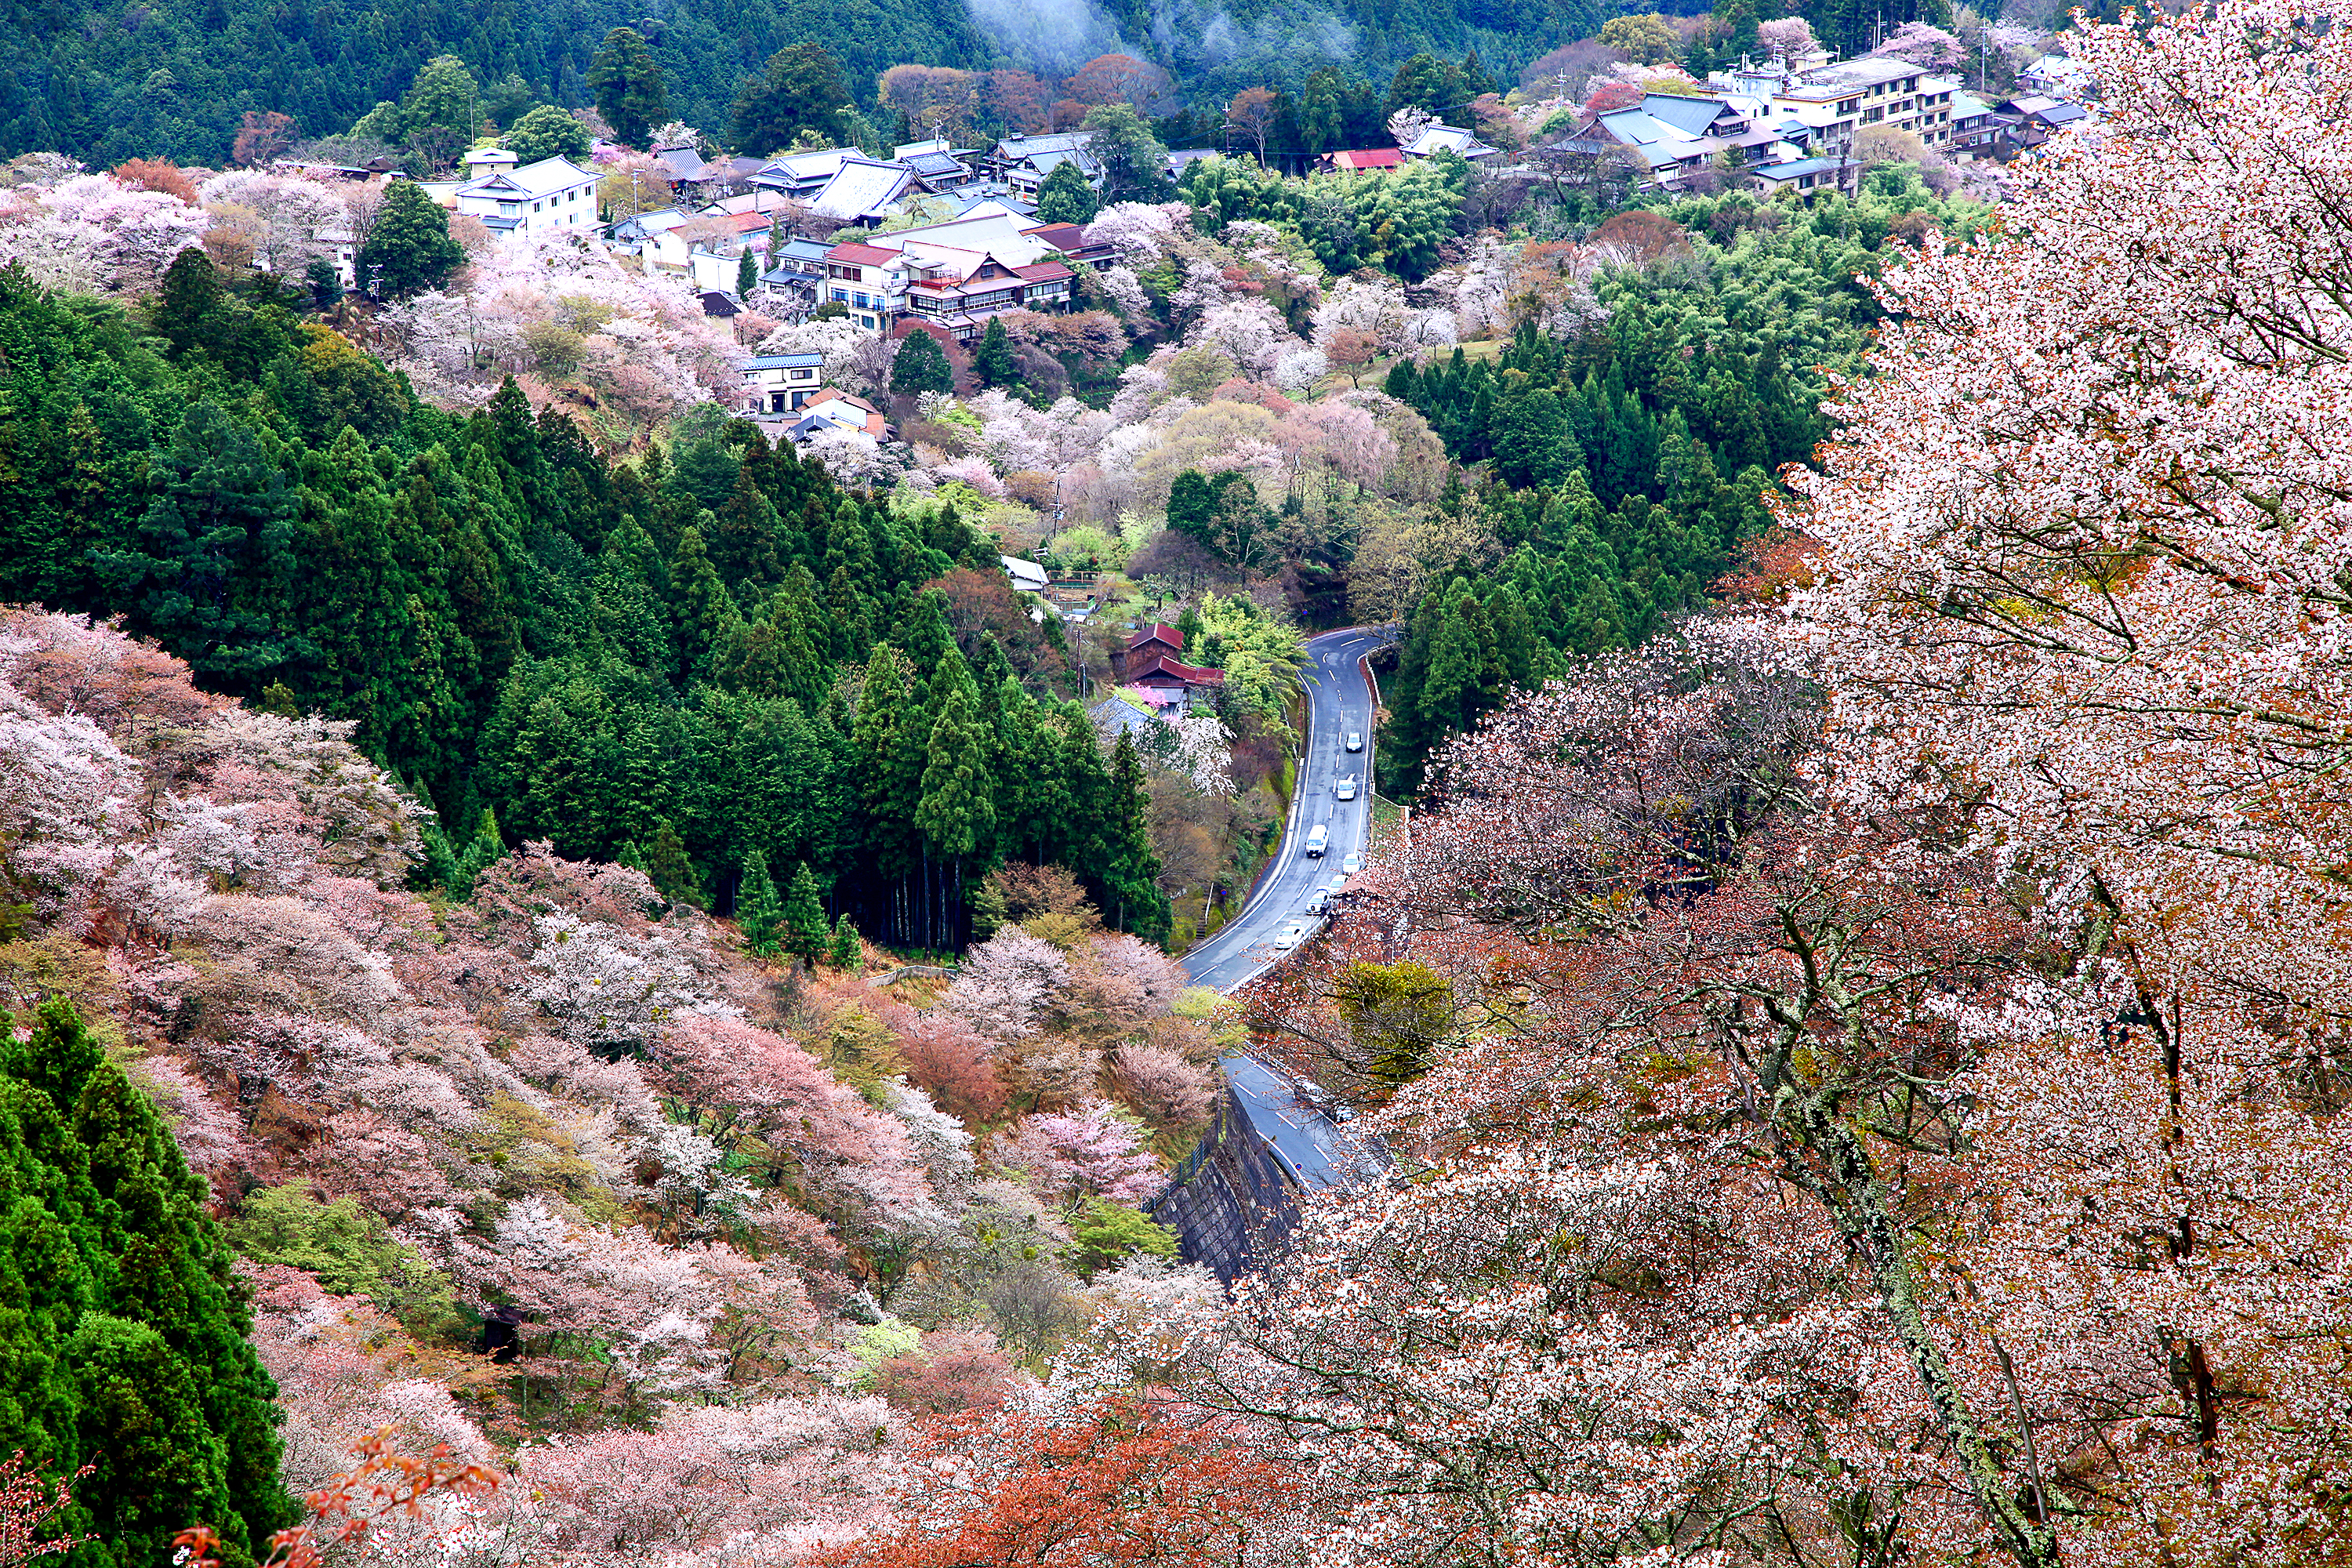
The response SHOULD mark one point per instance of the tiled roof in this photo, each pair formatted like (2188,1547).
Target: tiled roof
(863,188)
(1166,634)
(1043,272)
(1369,158)
(539,179)
(1161,663)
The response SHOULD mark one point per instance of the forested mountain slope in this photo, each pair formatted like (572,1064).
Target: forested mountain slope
(689,665)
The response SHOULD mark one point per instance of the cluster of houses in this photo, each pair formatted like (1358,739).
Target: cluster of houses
(811,225)
(1792,125)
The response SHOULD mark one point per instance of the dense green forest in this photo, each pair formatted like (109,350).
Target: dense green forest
(1628,462)
(687,662)
(103,80)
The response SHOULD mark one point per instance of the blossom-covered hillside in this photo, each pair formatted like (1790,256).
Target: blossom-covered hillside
(559,1175)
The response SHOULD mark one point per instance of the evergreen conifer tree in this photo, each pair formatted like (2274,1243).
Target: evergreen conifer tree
(672,871)
(626,81)
(991,361)
(747,274)
(1130,866)
(122,1328)
(920,366)
(756,910)
(847,952)
(803,930)
(190,307)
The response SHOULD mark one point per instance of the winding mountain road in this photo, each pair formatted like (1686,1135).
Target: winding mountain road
(1291,1123)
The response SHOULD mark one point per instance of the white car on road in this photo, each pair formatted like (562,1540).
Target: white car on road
(1347,790)
(1292,935)
(1351,865)
(1355,740)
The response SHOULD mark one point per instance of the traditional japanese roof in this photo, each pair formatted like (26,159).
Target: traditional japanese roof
(531,180)
(1777,172)
(750,223)
(862,188)
(861,255)
(1159,632)
(1043,272)
(1061,235)
(934,166)
(1116,715)
(1161,666)
(682,162)
(1438,139)
(1691,116)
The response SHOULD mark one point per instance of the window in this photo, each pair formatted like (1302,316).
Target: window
(841,296)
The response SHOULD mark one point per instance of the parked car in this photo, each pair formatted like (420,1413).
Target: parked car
(1347,790)
(1355,740)
(1318,902)
(1351,865)
(1338,883)
(1292,935)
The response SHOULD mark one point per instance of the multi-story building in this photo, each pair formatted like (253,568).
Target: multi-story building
(953,275)
(1837,102)
(553,194)
(782,384)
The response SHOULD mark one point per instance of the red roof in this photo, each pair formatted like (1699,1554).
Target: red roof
(1164,633)
(1060,236)
(867,255)
(744,223)
(1368,158)
(1160,665)
(1043,272)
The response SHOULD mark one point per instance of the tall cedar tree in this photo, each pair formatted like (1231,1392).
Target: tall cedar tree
(803,88)
(802,928)
(626,81)
(122,1328)
(920,366)
(992,359)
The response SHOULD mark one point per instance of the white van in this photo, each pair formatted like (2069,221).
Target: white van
(1319,838)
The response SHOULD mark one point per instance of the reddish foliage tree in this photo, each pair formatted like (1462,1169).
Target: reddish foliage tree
(159,174)
(982,603)
(1125,1481)
(265,137)
(384,1486)
(1648,237)
(1120,79)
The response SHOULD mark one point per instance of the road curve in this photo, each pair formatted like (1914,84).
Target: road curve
(1339,700)
(1290,1117)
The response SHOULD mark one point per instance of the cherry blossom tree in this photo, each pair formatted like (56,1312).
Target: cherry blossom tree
(1087,1152)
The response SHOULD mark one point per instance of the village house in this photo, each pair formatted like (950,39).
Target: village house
(1024,162)
(1359,159)
(952,275)
(782,384)
(1436,139)
(553,194)
(830,408)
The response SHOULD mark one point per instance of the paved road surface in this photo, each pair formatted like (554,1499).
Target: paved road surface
(1316,1149)
(1338,699)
